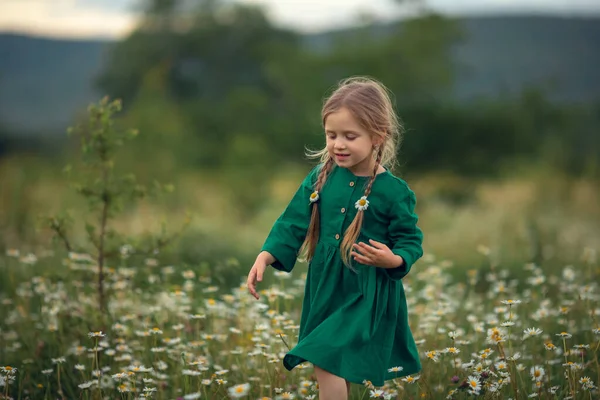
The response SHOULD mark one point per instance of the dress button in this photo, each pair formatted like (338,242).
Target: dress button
(351,183)
(337,236)
(343,210)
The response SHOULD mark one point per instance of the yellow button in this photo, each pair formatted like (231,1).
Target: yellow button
(351,183)
(337,236)
(343,210)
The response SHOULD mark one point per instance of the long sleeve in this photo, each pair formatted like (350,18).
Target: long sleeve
(406,236)
(289,231)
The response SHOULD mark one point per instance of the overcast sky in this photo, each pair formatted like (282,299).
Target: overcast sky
(114,18)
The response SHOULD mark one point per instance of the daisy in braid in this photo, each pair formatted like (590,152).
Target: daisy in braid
(354,222)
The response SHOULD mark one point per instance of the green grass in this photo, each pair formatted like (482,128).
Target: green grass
(531,237)
(193,336)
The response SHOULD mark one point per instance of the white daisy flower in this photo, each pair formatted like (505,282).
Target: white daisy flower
(432,355)
(586,382)
(529,332)
(537,373)
(453,334)
(362,204)
(286,396)
(314,196)
(411,379)
(86,385)
(13,253)
(473,383)
(239,391)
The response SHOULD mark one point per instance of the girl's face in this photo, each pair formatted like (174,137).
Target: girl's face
(348,144)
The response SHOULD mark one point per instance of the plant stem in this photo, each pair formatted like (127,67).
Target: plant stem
(105,204)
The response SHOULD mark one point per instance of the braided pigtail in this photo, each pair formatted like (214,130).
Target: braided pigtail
(307,251)
(351,234)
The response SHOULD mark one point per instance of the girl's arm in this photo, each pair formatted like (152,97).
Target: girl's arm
(289,231)
(406,236)
(257,271)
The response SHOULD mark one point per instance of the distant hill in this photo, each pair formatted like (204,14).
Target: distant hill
(44,82)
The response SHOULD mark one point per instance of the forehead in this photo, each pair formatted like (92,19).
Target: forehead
(341,120)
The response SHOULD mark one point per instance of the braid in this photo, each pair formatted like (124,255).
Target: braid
(327,167)
(307,250)
(351,235)
(377,163)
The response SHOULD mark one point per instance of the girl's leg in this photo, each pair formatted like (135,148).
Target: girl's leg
(331,387)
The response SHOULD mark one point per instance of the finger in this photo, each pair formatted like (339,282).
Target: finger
(251,283)
(366,249)
(259,274)
(251,276)
(251,289)
(356,248)
(253,292)
(361,259)
(377,244)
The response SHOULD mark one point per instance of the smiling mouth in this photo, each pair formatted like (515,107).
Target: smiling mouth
(342,155)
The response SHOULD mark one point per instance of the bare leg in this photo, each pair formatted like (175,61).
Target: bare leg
(331,387)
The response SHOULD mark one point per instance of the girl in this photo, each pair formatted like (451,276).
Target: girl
(354,222)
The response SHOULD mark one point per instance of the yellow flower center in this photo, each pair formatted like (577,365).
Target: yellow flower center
(313,195)
(239,389)
(362,202)
(8,368)
(473,383)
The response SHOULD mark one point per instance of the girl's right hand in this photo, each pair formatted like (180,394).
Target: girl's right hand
(257,271)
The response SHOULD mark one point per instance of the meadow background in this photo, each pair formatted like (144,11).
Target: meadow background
(501,146)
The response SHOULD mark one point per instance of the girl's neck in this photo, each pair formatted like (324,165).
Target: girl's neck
(366,171)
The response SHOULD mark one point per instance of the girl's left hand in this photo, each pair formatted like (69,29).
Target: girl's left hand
(377,255)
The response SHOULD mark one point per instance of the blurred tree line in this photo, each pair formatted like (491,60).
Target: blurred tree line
(213,86)
(216,85)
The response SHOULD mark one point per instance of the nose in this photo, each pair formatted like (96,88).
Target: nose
(339,144)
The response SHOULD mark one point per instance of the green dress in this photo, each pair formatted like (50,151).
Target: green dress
(353,324)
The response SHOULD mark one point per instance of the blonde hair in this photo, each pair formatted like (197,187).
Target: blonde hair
(369,102)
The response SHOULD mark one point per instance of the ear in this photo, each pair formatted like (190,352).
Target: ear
(377,141)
